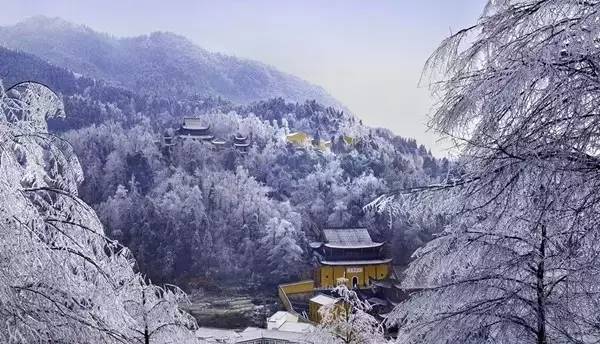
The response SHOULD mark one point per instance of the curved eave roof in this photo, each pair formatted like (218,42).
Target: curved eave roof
(356,262)
(315,245)
(195,127)
(375,244)
(199,137)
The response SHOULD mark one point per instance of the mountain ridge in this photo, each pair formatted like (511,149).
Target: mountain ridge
(160,62)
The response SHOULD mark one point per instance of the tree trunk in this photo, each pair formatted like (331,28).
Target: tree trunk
(146,336)
(541,295)
(146,332)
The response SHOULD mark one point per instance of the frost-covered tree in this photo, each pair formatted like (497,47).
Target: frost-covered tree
(157,321)
(281,247)
(61,279)
(347,321)
(519,261)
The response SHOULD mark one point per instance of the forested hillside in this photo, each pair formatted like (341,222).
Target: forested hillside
(190,211)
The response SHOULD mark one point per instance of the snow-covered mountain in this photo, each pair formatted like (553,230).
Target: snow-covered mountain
(159,63)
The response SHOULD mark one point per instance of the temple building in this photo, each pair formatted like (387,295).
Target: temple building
(219,144)
(193,128)
(168,140)
(298,139)
(241,142)
(349,255)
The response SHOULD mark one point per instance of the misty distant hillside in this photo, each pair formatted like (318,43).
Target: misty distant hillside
(161,63)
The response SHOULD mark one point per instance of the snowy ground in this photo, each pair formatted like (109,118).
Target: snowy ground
(232,311)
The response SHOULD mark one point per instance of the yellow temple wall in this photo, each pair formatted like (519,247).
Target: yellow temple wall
(327,275)
(301,287)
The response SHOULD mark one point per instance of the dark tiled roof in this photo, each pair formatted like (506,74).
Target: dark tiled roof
(348,237)
(194,124)
(356,262)
(192,132)
(240,137)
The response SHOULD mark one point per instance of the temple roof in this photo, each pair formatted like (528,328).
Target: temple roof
(315,244)
(194,124)
(323,299)
(202,137)
(240,137)
(356,262)
(349,238)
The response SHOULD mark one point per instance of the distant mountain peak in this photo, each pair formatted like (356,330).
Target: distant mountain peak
(157,63)
(42,22)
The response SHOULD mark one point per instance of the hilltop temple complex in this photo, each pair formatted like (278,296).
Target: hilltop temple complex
(195,129)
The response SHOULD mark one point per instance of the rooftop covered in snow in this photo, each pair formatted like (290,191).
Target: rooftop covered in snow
(322,299)
(349,238)
(356,262)
(194,124)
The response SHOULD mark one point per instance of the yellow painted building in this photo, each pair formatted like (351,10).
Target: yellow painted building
(357,274)
(316,303)
(348,140)
(303,140)
(298,138)
(350,253)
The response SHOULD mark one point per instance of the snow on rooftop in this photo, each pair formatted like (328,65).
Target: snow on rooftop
(280,318)
(253,333)
(356,262)
(294,333)
(194,124)
(278,315)
(216,335)
(296,327)
(375,244)
(348,238)
(323,299)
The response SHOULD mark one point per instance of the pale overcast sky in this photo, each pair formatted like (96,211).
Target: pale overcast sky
(368,54)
